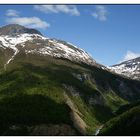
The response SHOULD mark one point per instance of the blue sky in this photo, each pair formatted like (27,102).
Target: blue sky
(110,33)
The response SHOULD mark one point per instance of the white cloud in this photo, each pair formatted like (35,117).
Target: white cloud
(67,9)
(32,22)
(12,13)
(130,55)
(100,13)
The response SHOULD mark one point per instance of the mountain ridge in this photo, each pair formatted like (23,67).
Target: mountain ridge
(130,68)
(13,34)
(19,35)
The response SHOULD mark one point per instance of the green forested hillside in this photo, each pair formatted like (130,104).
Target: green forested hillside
(125,124)
(40,94)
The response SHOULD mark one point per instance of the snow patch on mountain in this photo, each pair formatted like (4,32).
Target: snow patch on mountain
(129,68)
(12,41)
(44,46)
(60,49)
(15,53)
(7,41)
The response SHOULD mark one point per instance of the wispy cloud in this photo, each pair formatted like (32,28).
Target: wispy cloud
(12,13)
(100,13)
(13,17)
(32,22)
(130,55)
(67,9)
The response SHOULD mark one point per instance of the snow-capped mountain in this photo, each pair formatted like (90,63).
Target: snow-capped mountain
(36,80)
(130,68)
(18,38)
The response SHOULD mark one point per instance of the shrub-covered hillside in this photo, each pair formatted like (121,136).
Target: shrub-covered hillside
(125,124)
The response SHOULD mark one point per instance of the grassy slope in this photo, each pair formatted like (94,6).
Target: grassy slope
(5,55)
(32,90)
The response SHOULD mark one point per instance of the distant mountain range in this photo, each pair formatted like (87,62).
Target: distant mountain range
(130,68)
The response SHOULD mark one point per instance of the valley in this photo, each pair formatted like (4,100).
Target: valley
(51,87)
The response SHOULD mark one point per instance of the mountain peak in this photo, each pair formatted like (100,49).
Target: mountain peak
(16,29)
(129,68)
